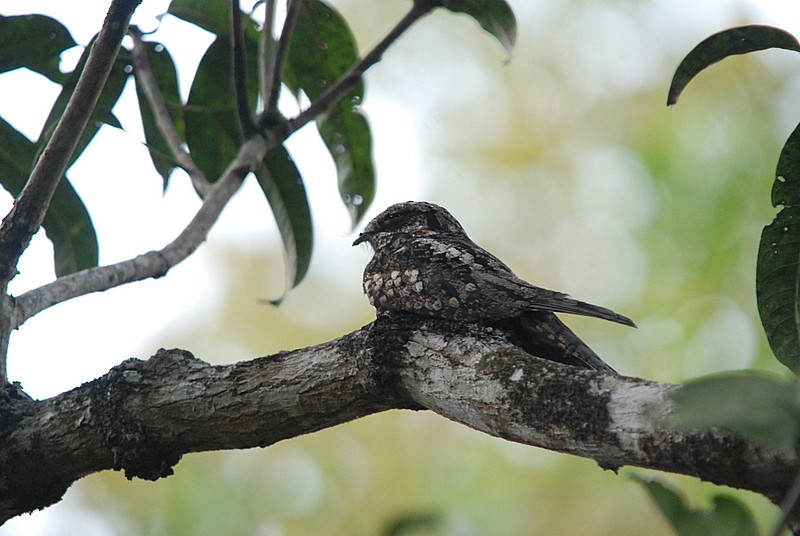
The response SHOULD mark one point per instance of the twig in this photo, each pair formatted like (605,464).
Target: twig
(29,208)
(152,92)
(276,74)
(266,53)
(348,80)
(239,62)
(787,505)
(153,263)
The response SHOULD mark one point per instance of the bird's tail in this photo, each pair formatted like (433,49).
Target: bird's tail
(571,306)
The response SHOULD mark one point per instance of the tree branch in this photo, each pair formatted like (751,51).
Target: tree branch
(266,55)
(142,416)
(239,63)
(152,92)
(153,263)
(276,73)
(348,80)
(26,216)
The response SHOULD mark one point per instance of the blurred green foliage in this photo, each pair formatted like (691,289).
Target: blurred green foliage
(566,164)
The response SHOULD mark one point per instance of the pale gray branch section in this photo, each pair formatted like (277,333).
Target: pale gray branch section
(153,263)
(143,415)
(481,381)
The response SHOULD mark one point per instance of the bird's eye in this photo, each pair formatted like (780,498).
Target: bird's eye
(392,221)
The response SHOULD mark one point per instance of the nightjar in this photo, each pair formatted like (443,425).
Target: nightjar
(424,263)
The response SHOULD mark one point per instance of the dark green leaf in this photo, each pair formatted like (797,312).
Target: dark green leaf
(67,223)
(283,186)
(35,42)
(777,278)
(761,407)
(212,125)
(346,133)
(164,72)
(728,516)
(719,46)
(212,133)
(211,15)
(102,112)
(322,50)
(418,523)
(494,16)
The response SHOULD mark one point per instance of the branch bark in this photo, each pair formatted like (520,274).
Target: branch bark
(143,415)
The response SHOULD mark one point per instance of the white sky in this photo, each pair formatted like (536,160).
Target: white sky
(106,328)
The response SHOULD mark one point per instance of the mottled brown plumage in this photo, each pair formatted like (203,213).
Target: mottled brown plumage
(425,263)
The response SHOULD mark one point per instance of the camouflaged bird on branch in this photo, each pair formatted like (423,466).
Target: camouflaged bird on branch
(424,263)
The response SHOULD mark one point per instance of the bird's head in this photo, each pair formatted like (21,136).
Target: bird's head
(412,218)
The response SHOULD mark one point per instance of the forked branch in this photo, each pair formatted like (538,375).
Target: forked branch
(153,263)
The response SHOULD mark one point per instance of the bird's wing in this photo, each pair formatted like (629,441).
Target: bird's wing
(498,292)
(544,335)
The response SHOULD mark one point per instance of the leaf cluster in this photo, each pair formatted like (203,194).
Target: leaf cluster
(764,408)
(320,52)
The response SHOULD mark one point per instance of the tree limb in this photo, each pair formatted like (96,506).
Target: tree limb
(348,80)
(153,263)
(244,113)
(143,415)
(266,54)
(275,74)
(152,92)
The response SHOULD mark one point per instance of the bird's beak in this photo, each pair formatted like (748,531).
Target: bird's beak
(363,237)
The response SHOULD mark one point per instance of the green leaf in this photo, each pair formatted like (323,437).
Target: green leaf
(67,222)
(283,186)
(322,50)
(346,133)
(163,68)
(102,112)
(212,124)
(763,408)
(719,46)
(777,279)
(418,523)
(212,132)
(494,16)
(728,516)
(35,42)
(211,15)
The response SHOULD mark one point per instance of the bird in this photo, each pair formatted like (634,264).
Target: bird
(425,264)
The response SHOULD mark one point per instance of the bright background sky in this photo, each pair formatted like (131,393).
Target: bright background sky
(80,340)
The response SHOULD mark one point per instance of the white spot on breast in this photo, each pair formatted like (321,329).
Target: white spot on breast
(517,376)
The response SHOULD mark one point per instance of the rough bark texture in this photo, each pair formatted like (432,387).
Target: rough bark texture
(143,415)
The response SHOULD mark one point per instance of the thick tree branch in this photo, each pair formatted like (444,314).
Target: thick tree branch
(153,263)
(26,216)
(325,102)
(152,92)
(142,416)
